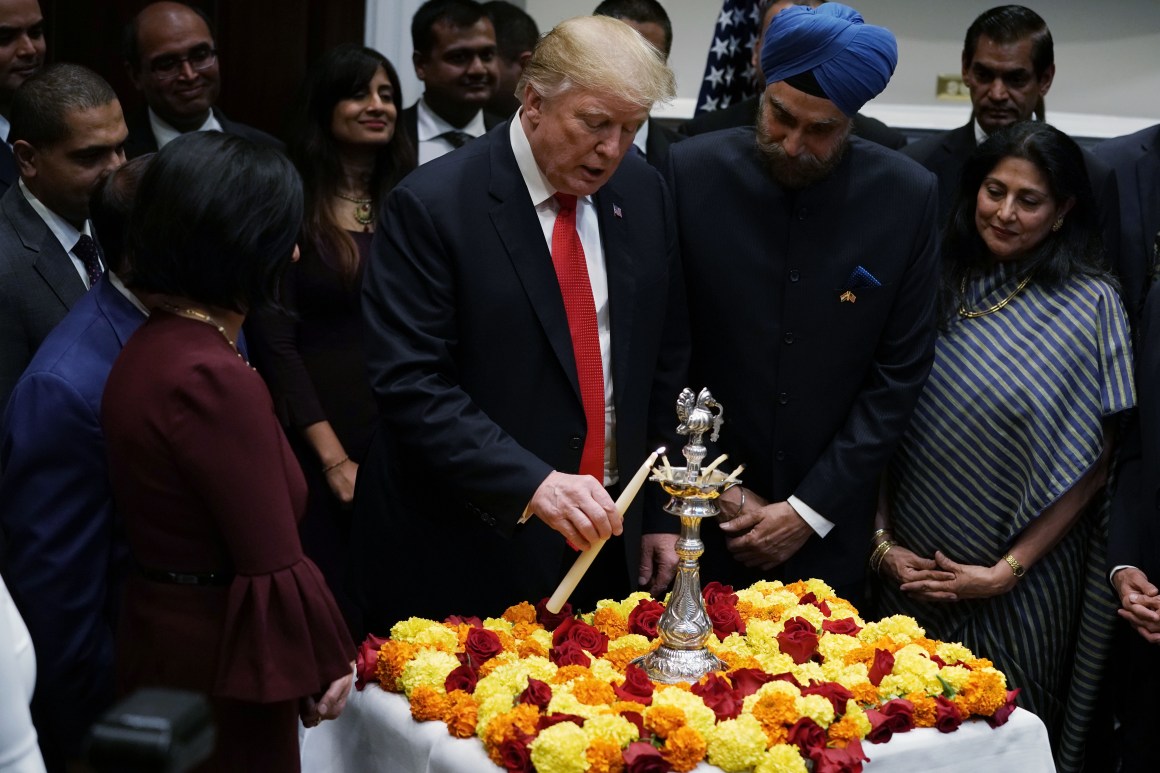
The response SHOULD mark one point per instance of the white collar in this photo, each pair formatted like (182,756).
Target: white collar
(64,231)
(120,287)
(164,133)
(431,125)
(539,188)
(5,127)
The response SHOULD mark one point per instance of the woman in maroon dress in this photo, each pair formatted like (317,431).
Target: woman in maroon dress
(345,144)
(223,602)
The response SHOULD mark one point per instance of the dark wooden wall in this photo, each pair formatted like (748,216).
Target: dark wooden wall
(264,46)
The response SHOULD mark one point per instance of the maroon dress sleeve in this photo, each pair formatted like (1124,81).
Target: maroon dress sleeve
(283,635)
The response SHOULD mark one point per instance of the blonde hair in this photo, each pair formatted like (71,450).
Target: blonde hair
(599,54)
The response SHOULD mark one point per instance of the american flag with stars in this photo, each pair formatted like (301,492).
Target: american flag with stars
(729,76)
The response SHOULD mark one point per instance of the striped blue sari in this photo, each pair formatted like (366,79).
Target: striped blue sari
(1011,418)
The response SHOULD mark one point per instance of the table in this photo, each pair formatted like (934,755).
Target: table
(376,733)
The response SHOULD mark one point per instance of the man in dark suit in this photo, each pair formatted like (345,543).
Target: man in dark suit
(64,558)
(526,342)
(170,55)
(812,261)
(67,133)
(1135,160)
(744,113)
(455,57)
(21,57)
(1008,64)
(648,18)
(516,34)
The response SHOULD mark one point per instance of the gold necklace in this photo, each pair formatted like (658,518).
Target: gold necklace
(201,316)
(362,210)
(968,314)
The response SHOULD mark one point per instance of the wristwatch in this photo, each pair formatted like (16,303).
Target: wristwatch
(1016,567)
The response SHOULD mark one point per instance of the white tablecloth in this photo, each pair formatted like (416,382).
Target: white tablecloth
(376,733)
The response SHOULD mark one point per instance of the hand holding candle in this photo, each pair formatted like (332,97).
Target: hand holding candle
(584,560)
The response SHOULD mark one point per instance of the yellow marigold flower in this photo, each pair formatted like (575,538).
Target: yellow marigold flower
(925,709)
(847,676)
(604,671)
(807,611)
(781,758)
(835,646)
(953,652)
(820,589)
(490,708)
(427,703)
(955,676)
(429,667)
(610,622)
(613,729)
(663,720)
(818,709)
(697,714)
(761,637)
(733,643)
(393,656)
(497,624)
(567,674)
(898,627)
(604,756)
(841,609)
(808,672)
(564,702)
(775,662)
(913,672)
(736,744)
(544,637)
(856,716)
(520,613)
(426,633)
(684,749)
(593,692)
(627,605)
(626,649)
(561,748)
(461,714)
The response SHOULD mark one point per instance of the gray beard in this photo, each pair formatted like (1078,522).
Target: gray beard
(804,170)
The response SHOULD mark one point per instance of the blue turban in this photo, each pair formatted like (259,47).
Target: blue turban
(852,61)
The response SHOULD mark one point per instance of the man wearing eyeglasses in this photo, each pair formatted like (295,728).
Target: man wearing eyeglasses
(170,54)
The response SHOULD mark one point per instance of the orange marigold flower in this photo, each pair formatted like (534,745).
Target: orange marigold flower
(506,640)
(623,707)
(487,666)
(520,613)
(428,704)
(570,673)
(799,588)
(604,757)
(775,709)
(982,694)
(925,709)
(609,622)
(531,648)
(461,631)
(524,630)
(521,719)
(663,720)
(593,692)
(621,657)
(844,731)
(863,653)
(776,734)
(927,644)
(979,663)
(461,714)
(684,749)
(745,610)
(393,656)
(865,693)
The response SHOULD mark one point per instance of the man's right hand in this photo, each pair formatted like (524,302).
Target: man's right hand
(578,507)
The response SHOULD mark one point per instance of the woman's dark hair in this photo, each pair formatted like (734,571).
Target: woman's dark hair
(341,73)
(215,221)
(1076,248)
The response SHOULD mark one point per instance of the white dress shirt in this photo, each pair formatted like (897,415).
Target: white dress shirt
(164,133)
(431,126)
(64,231)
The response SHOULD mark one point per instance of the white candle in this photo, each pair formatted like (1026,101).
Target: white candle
(585,559)
(705,472)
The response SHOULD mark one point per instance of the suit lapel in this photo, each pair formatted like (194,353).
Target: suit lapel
(1147,173)
(123,316)
(518,227)
(52,263)
(620,267)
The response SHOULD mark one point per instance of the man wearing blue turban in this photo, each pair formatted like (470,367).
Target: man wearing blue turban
(810,258)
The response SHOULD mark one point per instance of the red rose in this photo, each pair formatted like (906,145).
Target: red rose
(881,730)
(941,663)
(947,716)
(839,760)
(835,693)
(546,721)
(473,621)
(635,718)
(787,677)
(637,686)
(367,661)
(584,635)
(462,678)
(845,626)
(515,755)
(644,618)
(569,653)
(900,714)
(537,693)
(725,619)
(1003,713)
(718,695)
(810,598)
(747,681)
(808,736)
(798,639)
(641,757)
(551,620)
(715,593)
(482,645)
(883,665)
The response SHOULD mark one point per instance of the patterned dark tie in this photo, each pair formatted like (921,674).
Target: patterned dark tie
(90,256)
(572,272)
(457,138)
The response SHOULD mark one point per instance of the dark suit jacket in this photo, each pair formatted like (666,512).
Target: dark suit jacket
(38,285)
(944,154)
(471,361)
(1135,160)
(63,557)
(409,123)
(656,145)
(816,390)
(744,113)
(142,141)
(9,173)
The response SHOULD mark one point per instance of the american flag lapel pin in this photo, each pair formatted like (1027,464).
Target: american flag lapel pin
(616,211)
(847,297)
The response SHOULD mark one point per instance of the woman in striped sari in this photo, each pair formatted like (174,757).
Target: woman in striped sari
(992,529)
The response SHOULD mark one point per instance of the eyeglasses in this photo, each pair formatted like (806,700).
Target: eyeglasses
(168,67)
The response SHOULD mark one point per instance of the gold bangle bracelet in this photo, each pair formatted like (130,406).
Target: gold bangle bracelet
(879,533)
(336,465)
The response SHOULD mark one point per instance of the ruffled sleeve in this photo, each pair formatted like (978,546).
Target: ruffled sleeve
(283,635)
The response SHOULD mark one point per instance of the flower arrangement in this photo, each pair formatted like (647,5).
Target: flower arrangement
(807,680)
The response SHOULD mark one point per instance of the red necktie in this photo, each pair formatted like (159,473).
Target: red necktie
(572,271)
